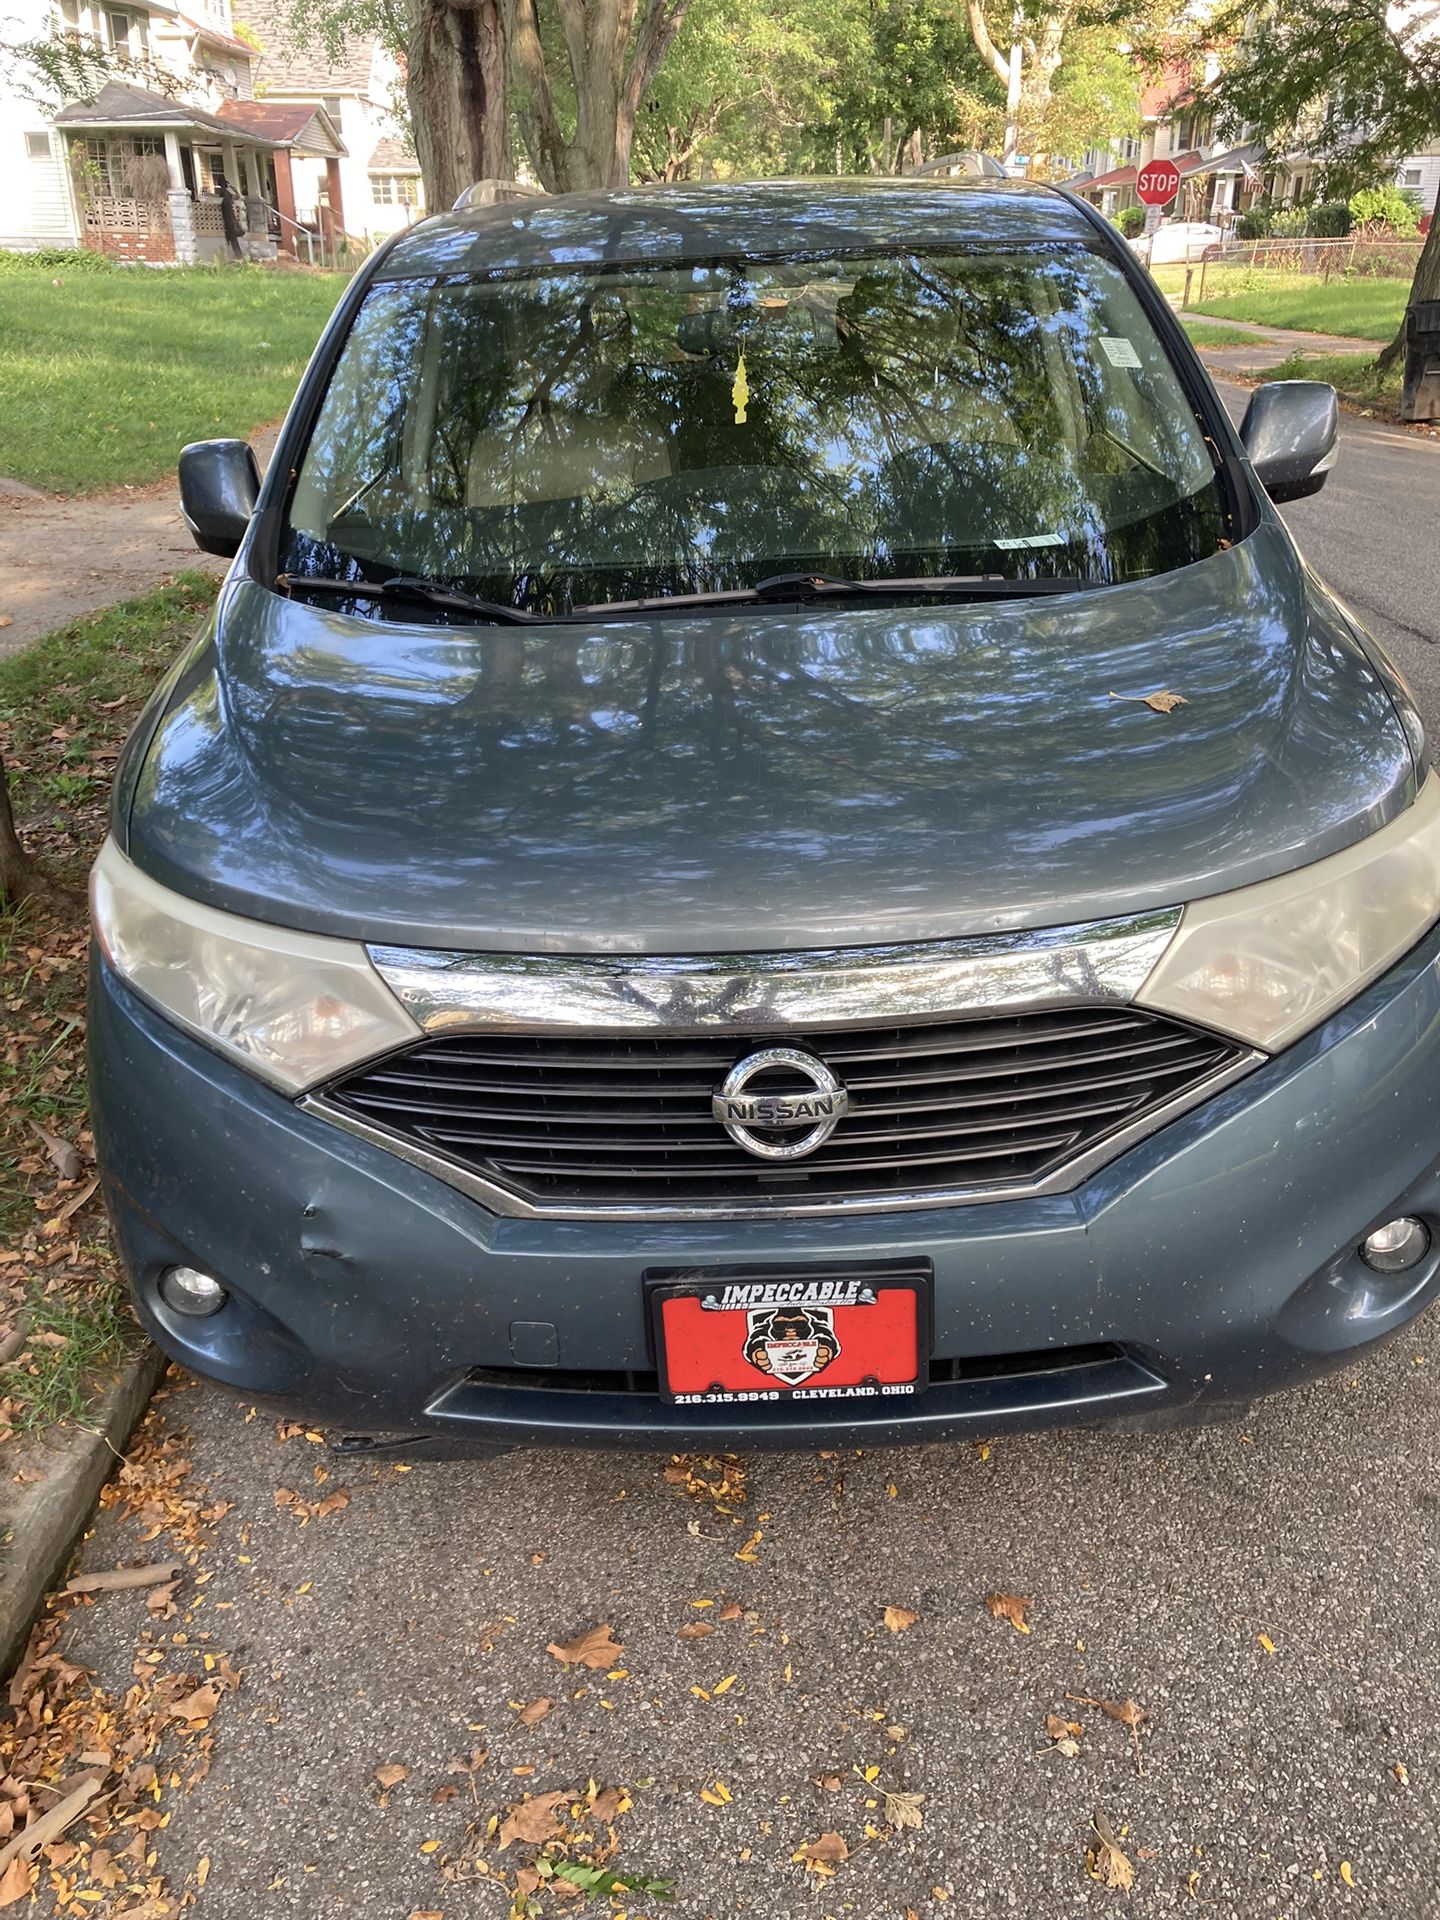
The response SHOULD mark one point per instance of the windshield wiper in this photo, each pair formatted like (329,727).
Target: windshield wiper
(828,586)
(404,586)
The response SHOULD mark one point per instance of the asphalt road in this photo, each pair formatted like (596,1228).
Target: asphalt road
(1265,1592)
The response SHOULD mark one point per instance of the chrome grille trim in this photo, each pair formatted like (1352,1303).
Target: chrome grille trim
(1103,963)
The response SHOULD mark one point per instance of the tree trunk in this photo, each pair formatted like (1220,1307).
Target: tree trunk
(613,57)
(456,55)
(18,874)
(1425,286)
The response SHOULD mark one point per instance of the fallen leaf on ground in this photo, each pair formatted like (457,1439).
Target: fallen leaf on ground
(828,1782)
(903,1809)
(898,1619)
(595,1648)
(392,1775)
(16,1881)
(49,1827)
(1059,1729)
(1104,1860)
(1009,1606)
(828,1851)
(536,1710)
(1128,1712)
(198,1706)
(1266,1642)
(730,1611)
(534,1819)
(695,1630)
(1347,1873)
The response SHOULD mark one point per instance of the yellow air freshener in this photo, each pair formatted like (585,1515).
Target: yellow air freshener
(740,392)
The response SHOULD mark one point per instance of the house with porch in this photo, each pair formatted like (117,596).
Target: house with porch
(377,185)
(174,159)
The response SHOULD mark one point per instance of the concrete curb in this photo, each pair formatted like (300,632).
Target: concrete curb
(46,1517)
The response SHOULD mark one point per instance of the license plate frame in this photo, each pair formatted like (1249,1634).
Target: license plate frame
(817,1305)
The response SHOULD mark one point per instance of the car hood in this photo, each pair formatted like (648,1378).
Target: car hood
(770,779)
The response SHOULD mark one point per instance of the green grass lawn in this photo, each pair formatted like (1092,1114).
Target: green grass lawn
(105,376)
(1352,375)
(1365,309)
(66,705)
(1203,336)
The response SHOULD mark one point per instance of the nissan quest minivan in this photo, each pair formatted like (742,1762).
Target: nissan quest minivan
(770,844)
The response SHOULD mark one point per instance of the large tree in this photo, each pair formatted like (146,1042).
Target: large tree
(1356,83)
(580,74)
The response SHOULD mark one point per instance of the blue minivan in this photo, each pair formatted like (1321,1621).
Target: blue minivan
(769,844)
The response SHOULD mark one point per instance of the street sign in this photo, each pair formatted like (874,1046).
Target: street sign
(1157,183)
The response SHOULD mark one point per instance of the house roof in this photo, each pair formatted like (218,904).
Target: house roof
(288,66)
(1185,163)
(213,37)
(288,123)
(117,105)
(1163,90)
(393,156)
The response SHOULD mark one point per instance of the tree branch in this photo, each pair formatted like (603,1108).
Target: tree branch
(659,24)
(985,46)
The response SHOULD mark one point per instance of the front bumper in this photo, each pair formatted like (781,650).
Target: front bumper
(1215,1261)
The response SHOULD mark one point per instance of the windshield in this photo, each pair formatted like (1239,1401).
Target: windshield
(563,439)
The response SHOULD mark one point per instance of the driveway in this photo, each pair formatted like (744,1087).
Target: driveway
(1264,1592)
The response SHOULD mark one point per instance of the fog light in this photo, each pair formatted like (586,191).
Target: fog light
(1397,1246)
(186,1290)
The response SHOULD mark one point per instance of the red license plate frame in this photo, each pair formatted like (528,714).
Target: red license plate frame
(740,1337)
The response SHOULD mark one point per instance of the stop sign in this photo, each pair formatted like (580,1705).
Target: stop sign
(1157,183)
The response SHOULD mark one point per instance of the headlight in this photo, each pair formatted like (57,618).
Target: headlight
(295,1008)
(1267,963)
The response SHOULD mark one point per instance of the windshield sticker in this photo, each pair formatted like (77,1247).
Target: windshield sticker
(740,392)
(1029,540)
(1118,350)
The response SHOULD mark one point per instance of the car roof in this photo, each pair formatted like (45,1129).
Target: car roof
(760,218)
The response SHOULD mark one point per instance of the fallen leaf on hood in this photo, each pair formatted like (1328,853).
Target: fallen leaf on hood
(595,1648)
(534,1819)
(1009,1606)
(392,1775)
(1103,1859)
(898,1619)
(536,1710)
(1162,702)
(903,1809)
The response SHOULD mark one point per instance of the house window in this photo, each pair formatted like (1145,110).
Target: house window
(71,19)
(331,103)
(395,189)
(1411,177)
(37,146)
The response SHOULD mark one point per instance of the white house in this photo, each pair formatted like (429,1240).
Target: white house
(174,159)
(379,178)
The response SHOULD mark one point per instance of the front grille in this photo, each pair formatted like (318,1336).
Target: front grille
(970,1105)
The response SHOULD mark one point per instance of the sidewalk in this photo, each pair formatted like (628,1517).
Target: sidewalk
(1257,347)
(61,557)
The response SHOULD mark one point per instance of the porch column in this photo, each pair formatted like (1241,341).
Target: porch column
(172,161)
(285,201)
(337,204)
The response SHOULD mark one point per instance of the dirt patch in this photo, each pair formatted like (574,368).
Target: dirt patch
(62,557)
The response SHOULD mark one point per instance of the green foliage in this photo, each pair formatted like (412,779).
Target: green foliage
(1131,221)
(1288,223)
(1254,224)
(1330,220)
(1385,207)
(1354,82)
(1364,309)
(104,378)
(56,260)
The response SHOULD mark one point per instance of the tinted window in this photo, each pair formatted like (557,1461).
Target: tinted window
(561,439)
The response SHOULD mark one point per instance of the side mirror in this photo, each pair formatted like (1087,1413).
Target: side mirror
(1291,432)
(219,485)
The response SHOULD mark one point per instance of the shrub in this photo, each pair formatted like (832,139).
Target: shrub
(1386,209)
(1330,220)
(56,260)
(1131,221)
(1291,223)
(1253,225)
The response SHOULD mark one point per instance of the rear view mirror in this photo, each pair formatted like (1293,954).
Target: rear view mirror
(1291,430)
(219,485)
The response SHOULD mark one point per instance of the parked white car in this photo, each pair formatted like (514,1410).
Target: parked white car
(1181,240)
